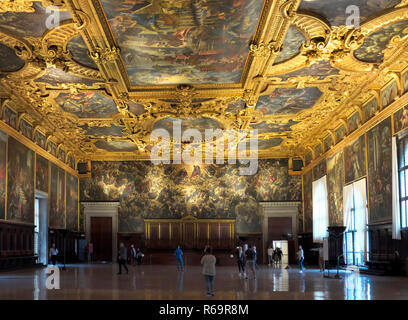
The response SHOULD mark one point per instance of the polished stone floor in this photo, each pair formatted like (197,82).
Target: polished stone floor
(100,281)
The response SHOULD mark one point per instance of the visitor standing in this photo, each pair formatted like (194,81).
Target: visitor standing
(240,260)
(53,254)
(179,257)
(250,262)
(133,254)
(208,261)
(255,257)
(139,256)
(270,255)
(91,251)
(301,258)
(122,257)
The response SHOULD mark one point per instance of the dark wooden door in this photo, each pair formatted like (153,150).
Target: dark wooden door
(101,236)
(278,229)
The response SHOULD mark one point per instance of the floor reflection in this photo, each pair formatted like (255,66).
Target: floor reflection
(165,282)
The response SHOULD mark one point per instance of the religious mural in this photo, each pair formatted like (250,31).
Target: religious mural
(288,100)
(372,48)
(355,160)
(335,189)
(370,108)
(291,44)
(52,148)
(61,155)
(340,133)
(72,203)
(334,10)
(319,170)
(87,104)
(320,69)
(3,148)
(39,139)
(79,51)
(116,146)
(353,122)
(41,174)
(20,182)
(26,129)
(10,117)
(389,94)
(186,41)
(30,24)
(174,191)
(9,61)
(71,161)
(307,202)
(380,171)
(57,198)
(400,119)
(327,143)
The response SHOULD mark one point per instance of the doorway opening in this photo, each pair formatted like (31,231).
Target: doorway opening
(40,229)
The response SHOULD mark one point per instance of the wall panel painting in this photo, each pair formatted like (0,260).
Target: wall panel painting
(317,150)
(370,108)
(57,198)
(355,160)
(52,148)
(20,182)
(3,148)
(389,94)
(42,174)
(380,171)
(340,133)
(319,170)
(327,143)
(26,129)
(72,203)
(39,139)
(405,81)
(308,157)
(307,202)
(353,122)
(335,178)
(400,119)
(174,191)
(10,117)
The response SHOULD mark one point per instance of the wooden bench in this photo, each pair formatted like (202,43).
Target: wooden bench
(7,263)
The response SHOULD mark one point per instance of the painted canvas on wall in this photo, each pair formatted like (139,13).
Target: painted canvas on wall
(185,41)
(174,191)
(39,139)
(72,203)
(389,94)
(405,81)
(319,170)
(61,155)
(335,189)
(10,117)
(400,119)
(355,160)
(71,161)
(20,182)
(353,122)
(307,202)
(327,143)
(317,150)
(340,133)
(3,148)
(52,148)
(57,198)
(41,174)
(308,157)
(380,171)
(370,108)
(26,129)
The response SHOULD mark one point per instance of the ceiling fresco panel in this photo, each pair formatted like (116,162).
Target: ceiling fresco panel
(116,146)
(79,52)
(200,124)
(186,41)
(288,100)
(55,76)
(103,131)
(9,61)
(291,45)
(320,69)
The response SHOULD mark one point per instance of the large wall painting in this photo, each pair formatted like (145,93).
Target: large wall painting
(26,129)
(353,122)
(186,41)
(340,133)
(174,191)
(327,143)
(319,170)
(41,174)
(335,189)
(40,139)
(57,198)
(10,117)
(369,109)
(380,171)
(355,160)
(3,148)
(307,202)
(20,182)
(400,119)
(72,203)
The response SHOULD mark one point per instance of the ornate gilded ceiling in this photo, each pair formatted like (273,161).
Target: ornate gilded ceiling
(93,78)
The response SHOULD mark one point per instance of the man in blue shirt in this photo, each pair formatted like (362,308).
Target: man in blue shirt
(179,258)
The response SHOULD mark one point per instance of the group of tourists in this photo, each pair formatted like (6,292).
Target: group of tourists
(246,259)
(274,256)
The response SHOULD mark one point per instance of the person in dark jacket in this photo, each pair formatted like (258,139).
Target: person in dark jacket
(250,261)
(122,257)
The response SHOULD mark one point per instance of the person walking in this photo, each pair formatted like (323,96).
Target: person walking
(208,261)
(179,257)
(139,256)
(91,251)
(279,254)
(133,254)
(53,254)
(255,257)
(122,257)
(240,260)
(250,262)
(270,255)
(301,258)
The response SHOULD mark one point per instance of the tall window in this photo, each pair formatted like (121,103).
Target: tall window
(320,210)
(403,179)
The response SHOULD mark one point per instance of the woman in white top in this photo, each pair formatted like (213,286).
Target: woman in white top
(53,254)
(208,262)
(300,257)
